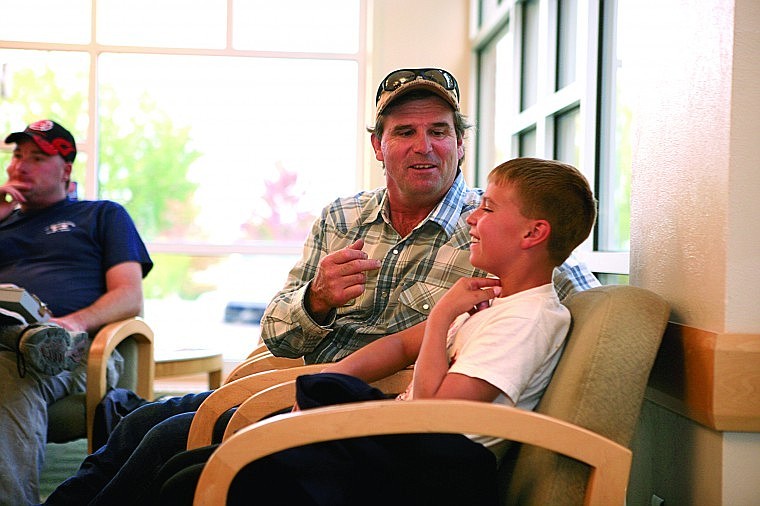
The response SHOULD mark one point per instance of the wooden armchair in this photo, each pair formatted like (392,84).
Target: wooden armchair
(233,394)
(72,417)
(259,362)
(574,445)
(234,391)
(246,394)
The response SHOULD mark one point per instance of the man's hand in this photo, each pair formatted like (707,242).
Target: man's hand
(341,276)
(10,196)
(70,323)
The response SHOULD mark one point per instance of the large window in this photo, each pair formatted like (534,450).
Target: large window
(551,83)
(223,126)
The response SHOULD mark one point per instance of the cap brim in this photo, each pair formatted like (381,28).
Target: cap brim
(41,143)
(386,99)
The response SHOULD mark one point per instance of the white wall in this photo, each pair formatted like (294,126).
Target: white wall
(695,231)
(743,243)
(696,161)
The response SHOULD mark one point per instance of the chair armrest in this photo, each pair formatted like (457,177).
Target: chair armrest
(260,405)
(232,394)
(261,362)
(281,396)
(258,350)
(102,347)
(610,462)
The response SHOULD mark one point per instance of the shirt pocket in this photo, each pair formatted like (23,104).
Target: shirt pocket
(421,297)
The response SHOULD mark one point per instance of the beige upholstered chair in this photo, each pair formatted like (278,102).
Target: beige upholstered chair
(72,417)
(574,449)
(599,384)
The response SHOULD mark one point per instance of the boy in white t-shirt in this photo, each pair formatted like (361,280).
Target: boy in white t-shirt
(497,339)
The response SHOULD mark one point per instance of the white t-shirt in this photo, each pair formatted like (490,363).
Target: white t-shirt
(514,345)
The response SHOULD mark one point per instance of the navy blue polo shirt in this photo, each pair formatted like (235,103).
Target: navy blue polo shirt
(61,253)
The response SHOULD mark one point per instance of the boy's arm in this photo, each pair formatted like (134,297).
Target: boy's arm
(383,357)
(431,376)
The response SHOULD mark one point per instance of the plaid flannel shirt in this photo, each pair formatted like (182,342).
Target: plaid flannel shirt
(415,272)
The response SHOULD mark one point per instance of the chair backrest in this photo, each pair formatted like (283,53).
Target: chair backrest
(129,351)
(599,384)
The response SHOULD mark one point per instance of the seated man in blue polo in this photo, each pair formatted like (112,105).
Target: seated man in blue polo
(86,261)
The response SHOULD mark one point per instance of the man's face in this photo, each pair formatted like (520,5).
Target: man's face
(420,151)
(38,176)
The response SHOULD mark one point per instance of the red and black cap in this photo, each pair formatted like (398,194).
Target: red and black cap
(51,137)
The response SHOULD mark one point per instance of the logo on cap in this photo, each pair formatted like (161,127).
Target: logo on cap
(42,125)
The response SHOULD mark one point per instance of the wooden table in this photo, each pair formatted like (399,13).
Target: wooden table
(190,361)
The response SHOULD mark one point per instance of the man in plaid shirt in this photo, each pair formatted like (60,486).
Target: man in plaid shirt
(377,262)
(374,264)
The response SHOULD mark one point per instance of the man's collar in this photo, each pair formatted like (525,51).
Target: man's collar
(446,213)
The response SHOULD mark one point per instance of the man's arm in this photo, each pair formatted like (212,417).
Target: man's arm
(573,276)
(340,277)
(123,298)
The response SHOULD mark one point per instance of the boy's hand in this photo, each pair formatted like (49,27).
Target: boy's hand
(467,295)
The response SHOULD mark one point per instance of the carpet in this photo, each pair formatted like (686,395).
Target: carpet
(61,461)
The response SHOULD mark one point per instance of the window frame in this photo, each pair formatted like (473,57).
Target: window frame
(495,18)
(88,146)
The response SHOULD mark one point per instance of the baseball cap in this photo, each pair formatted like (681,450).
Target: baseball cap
(402,81)
(51,138)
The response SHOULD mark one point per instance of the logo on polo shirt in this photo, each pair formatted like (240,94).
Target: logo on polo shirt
(64,226)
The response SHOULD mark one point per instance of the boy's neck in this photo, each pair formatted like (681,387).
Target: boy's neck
(522,280)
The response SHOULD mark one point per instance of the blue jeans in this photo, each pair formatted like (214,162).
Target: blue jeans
(23,424)
(120,472)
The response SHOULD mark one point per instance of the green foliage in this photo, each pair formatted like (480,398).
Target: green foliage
(143,163)
(171,275)
(284,221)
(144,166)
(35,94)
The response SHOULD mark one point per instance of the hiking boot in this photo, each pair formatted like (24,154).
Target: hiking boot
(50,349)
(78,350)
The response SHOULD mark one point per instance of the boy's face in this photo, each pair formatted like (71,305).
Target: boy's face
(497,230)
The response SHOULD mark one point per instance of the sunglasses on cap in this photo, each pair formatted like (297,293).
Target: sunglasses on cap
(398,78)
